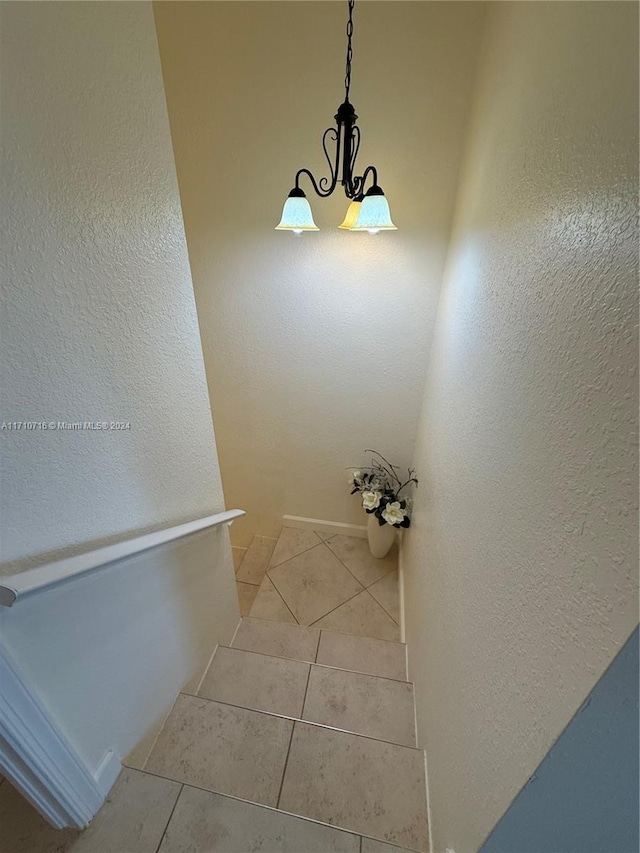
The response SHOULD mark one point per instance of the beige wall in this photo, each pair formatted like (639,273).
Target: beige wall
(100,325)
(315,346)
(521,567)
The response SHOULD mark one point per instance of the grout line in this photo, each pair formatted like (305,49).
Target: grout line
(317,725)
(357,578)
(306,690)
(360,844)
(283,601)
(286,761)
(323,665)
(340,560)
(164,832)
(206,670)
(382,605)
(315,660)
(336,608)
(258,805)
(236,631)
(288,560)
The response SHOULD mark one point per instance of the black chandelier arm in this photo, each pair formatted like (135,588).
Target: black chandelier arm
(359,182)
(325,186)
(333,134)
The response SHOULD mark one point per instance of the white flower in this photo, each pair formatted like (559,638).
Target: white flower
(371,500)
(354,478)
(393,513)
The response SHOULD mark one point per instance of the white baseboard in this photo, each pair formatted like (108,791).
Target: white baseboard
(331,527)
(403,633)
(108,771)
(39,761)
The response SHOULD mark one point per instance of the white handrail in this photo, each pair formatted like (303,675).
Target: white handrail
(13,587)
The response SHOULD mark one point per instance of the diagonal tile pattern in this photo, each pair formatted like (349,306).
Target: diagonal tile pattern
(385,592)
(355,555)
(361,615)
(292,542)
(316,575)
(313,583)
(269,604)
(256,560)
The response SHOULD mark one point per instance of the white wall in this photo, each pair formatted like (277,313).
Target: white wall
(100,325)
(100,320)
(521,567)
(315,346)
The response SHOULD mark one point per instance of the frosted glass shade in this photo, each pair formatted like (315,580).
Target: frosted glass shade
(296,215)
(374,214)
(352,214)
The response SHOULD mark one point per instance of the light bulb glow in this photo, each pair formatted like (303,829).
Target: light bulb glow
(373,230)
(297,230)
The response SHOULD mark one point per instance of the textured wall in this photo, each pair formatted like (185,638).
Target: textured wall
(100,320)
(521,569)
(100,324)
(584,796)
(315,346)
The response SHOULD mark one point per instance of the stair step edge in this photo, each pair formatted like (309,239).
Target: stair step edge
(299,720)
(312,663)
(324,630)
(277,810)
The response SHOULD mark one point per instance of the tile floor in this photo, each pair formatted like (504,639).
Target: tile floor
(312,578)
(147,814)
(275,726)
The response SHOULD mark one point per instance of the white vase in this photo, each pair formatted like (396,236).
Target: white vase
(380,536)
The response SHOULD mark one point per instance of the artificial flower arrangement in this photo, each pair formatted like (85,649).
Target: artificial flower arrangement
(380,487)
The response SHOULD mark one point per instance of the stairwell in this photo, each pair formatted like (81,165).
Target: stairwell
(300,738)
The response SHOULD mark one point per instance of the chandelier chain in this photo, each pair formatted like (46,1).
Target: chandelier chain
(347,79)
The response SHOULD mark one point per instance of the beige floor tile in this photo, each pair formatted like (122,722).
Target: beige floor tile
(385,592)
(293,541)
(268,604)
(222,748)
(256,560)
(256,681)
(371,846)
(247,593)
(133,818)
(22,830)
(324,536)
(361,615)
(365,704)
(362,654)
(360,784)
(357,557)
(238,556)
(313,583)
(272,638)
(203,822)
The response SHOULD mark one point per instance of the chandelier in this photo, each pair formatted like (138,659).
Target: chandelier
(369,209)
